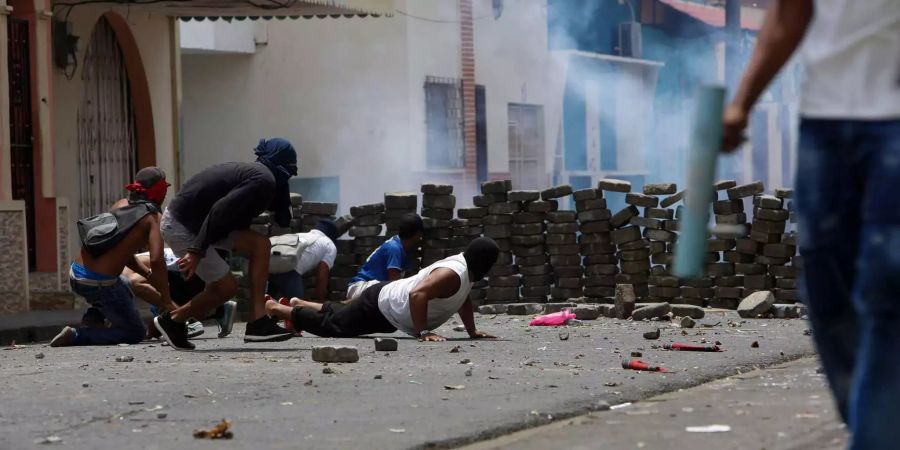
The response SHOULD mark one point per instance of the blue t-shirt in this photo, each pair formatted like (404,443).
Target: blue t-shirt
(389,255)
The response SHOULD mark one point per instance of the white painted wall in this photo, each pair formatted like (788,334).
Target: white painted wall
(350,92)
(219,36)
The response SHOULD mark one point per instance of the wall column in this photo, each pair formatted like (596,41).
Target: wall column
(467,55)
(5,162)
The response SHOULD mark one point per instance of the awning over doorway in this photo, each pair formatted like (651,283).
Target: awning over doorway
(269,8)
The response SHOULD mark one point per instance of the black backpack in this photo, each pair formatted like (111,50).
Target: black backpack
(102,232)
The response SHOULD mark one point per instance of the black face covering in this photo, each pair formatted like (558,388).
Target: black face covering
(480,257)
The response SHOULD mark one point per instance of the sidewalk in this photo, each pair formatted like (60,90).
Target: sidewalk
(783,406)
(35,326)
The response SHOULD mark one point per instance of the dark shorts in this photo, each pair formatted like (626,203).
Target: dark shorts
(356,318)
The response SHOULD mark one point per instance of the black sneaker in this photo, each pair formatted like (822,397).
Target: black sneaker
(265,329)
(175,333)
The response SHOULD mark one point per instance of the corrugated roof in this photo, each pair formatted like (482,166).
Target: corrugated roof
(269,9)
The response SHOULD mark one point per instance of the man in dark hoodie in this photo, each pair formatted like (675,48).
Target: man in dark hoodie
(213,211)
(415,305)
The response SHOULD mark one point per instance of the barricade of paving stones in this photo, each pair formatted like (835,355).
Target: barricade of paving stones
(585,257)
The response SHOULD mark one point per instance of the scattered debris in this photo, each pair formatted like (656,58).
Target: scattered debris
(48,440)
(454,387)
(686,322)
(601,405)
(287,403)
(620,406)
(465,361)
(469,372)
(651,311)
(564,335)
(161,415)
(135,403)
(385,345)
(378,377)
(335,353)
(220,431)
(397,430)
(610,384)
(455,349)
(652,334)
(807,332)
(692,348)
(755,344)
(329,371)
(124,358)
(636,364)
(39,356)
(459,328)
(636,354)
(708,429)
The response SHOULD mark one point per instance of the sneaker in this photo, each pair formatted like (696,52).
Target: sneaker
(175,333)
(194,328)
(65,338)
(265,329)
(226,322)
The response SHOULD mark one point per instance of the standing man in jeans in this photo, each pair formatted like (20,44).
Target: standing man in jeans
(96,273)
(213,211)
(848,172)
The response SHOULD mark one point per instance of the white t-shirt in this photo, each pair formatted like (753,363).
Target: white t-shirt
(393,300)
(851,57)
(169,255)
(319,248)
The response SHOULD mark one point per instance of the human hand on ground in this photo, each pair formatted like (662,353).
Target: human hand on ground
(482,335)
(431,337)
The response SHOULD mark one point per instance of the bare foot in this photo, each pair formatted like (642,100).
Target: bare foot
(296,302)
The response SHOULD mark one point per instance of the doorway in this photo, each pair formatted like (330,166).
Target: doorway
(526,146)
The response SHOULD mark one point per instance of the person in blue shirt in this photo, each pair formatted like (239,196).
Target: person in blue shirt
(392,260)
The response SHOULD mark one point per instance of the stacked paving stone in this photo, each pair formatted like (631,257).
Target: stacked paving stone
(367,228)
(631,247)
(660,229)
(313,212)
(728,286)
(296,213)
(786,275)
(438,203)
(396,205)
(562,247)
(598,254)
(503,280)
(474,222)
(262,224)
(527,241)
(773,253)
(346,265)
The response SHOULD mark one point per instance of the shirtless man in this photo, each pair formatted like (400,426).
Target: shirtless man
(416,305)
(96,275)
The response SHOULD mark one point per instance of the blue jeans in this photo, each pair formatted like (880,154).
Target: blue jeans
(288,284)
(116,303)
(848,176)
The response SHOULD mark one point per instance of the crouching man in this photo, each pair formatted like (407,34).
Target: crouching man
(416,305)
(109,243)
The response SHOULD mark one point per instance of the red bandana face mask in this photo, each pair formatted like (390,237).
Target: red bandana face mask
(155,193)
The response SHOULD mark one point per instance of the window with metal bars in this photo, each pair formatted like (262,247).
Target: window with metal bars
(444,123)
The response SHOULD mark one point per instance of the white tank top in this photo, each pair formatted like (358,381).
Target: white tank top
(393,300)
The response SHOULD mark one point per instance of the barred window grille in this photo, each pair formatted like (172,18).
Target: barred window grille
(444,123)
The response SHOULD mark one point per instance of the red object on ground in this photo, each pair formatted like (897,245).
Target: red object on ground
(287,323)
(692,348)
(636,364)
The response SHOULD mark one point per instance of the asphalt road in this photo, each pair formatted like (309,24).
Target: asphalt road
(786,406)
(277,397)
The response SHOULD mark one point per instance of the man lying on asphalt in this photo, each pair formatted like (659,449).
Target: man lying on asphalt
(415,305)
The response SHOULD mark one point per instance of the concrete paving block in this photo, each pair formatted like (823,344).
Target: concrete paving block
(671,200)
(561,216)
(438,201)
(437,189)
(624,301)
(495,187)
(524,309)
(550,308)
(556,192)
(624,216)
(400,200)
(724,184)
(651,311)
(367,210)
(542,206)
(335,354)
(768,202)
(385,345)
(587,312)
(594,215)
(523,196)
(614,185)
(493,309)
(660,188)
(504,208)
(745,190)
(684,310)
(587,194)
(646,201)
(756,304)
(784,193)
(590,204)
